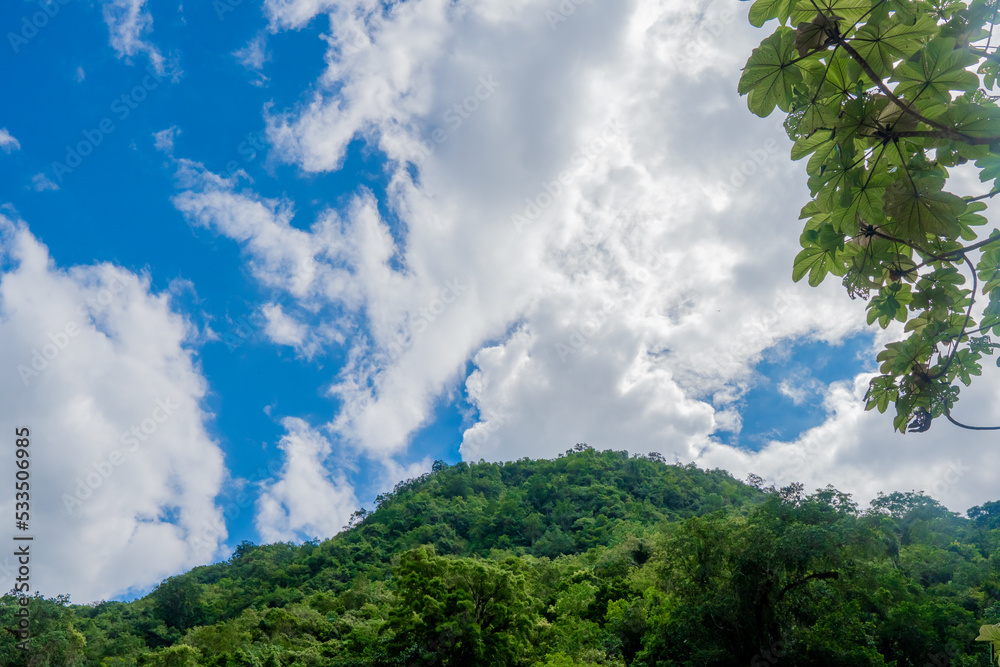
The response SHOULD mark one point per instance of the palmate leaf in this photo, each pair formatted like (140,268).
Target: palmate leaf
(770,74)
(883,44)
(972,119)
(991,633)
(818,117)
(848,10)
(970,219)
(814,34)
(882,391)
(867,202)
(990,169)
(819,256)
(939,70)
(841,79)
(859,117)
(901,357)
(763,11)
(922,208)
(824,154)
(839,174)
(822,139)
(889,305)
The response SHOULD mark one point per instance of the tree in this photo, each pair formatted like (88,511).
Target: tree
(459,611)
(881,97)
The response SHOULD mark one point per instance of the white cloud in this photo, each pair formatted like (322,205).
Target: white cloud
(280,254)
(306,500)
(281,328)
(41,182)
(163,140)
(123,473)
(618,230)
(128,22)
(857,451)
(297,13)
(7,142)
(255,54)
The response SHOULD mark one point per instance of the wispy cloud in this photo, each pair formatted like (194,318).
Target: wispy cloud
(8,143)
(41,183)
(129,22)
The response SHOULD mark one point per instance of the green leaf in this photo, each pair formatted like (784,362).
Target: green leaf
(921,208)
(899,358)
(991,633)
(819,255)
(770,74)
(841,79)
(972,119)
(813,35)
(940,69)
(763,11)
(806,145)
(990,168)
(849,11)
(867,201)
(882,391)
(859,117)
(883,44)
(818,117)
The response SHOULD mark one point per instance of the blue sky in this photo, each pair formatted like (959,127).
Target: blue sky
(341,239)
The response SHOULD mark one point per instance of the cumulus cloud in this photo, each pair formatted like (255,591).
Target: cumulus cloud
(857,451)
(128,22)
(123,472)
(581,207)
(306,499)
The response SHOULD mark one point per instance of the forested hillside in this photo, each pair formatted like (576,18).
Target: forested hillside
(595,558)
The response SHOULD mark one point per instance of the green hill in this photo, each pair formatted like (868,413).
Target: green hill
(594,558)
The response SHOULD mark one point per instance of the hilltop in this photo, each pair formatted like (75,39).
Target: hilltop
(594,558)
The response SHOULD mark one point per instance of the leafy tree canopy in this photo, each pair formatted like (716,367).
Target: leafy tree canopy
(645,565)
(884,99)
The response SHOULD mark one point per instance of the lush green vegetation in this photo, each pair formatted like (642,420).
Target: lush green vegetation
(595,558)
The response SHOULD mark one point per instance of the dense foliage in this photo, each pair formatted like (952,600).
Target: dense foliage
(595,558)
(883,98)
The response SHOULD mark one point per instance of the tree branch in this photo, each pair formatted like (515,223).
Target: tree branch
(946,132)
(966,426)
(794,584)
